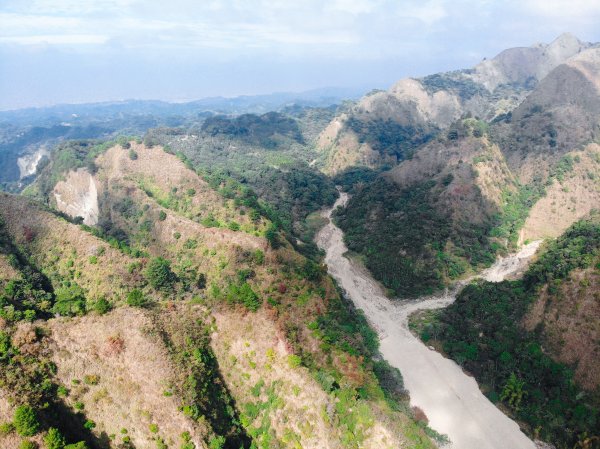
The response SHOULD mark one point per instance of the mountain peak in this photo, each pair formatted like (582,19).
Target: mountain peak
(566,43)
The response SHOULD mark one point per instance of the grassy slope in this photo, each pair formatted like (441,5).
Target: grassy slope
(274,161)
(294,288)
(309,381)
(62,252)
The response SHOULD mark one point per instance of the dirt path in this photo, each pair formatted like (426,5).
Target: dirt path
(451,399)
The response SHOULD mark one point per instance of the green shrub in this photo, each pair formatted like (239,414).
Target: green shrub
(187,445)
(93,260)
(162,215)
(153,428)
(217,442)
(89,424)
(272,237)
(133,155)
(186,441)
(294,361)
(146,226)
(259,257)
(210,221)
(70,301)
(102,306)
(243,294)
(5,346)
(201,281)
(80,445)
(160,443)
(159,274)
(26,444)
(190,244)
(54,439)
(6,428)
(136,298)
(25,421)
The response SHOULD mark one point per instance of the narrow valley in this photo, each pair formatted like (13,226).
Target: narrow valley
(450,398)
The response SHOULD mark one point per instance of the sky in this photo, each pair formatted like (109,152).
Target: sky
(75,51)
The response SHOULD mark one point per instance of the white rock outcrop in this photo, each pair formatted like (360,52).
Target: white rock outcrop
(77,196)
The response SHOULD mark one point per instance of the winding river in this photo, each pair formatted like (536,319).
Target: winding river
(451,399)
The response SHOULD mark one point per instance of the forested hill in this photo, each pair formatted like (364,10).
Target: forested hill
(502,163)
(534,344)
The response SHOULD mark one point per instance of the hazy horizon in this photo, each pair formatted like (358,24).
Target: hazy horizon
(65,51)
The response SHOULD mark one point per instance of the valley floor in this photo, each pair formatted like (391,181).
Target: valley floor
(450,398)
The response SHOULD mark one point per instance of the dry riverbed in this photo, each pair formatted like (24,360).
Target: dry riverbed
(451,399)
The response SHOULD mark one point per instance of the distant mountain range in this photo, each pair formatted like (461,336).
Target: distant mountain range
(219,105)
(28,134)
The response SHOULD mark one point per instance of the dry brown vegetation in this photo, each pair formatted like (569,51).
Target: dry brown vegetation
(567,201)
(168,180)
(65,251)
(119,369)
(475,171)
(130,368)
(571,324)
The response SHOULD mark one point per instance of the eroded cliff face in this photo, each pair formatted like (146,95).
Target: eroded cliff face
(519,65)
(493,87)
(28,163)
(77,196)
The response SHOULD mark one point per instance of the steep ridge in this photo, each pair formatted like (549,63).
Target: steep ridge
(488,185)
(567,316)
(246,339)
(428,220)
(481,187)
(272,156)
(82,271)
(386,127)
(526,64)
(559,116)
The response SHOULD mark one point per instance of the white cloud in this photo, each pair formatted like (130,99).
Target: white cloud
(30,23)
(355,28)
(354,7)
(79,7)
(258,23)
(56,39)
(579,9)
(428,12)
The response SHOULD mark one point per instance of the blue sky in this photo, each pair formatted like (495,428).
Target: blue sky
(64,51)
